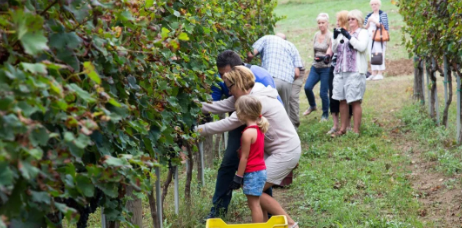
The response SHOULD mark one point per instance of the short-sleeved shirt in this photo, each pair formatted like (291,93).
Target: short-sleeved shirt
(279,57)
(220,91)
(320,49)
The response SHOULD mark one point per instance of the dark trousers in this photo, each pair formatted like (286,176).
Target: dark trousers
(316,75)
(230,163)
(335,104)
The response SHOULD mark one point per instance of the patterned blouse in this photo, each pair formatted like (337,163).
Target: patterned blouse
(346,56)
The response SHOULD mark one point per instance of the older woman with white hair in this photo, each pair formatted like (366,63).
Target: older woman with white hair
(350,71)
(320,68)
(371,23)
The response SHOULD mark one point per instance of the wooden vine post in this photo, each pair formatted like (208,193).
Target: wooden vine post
(447,90)
(428,85)
(459,113)
(419,83)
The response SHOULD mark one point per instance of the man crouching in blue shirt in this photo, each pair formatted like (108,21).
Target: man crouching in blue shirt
(222,196)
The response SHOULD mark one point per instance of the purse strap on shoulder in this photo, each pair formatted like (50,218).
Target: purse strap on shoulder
(381,38)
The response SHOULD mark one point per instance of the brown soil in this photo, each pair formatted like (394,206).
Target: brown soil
(399,67)
(440,206)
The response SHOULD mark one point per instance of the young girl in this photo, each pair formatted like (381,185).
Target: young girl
(252,170)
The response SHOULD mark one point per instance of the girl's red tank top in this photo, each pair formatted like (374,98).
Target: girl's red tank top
(256,160)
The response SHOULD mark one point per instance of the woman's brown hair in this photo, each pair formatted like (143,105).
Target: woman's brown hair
(241,77)
(342,16)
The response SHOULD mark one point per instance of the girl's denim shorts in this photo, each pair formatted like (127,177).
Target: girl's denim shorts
(254,183)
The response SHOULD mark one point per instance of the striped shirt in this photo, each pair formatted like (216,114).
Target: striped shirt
(279,57)
(383,19)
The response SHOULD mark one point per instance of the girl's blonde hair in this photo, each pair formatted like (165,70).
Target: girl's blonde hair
(342,16)
(249,108)
(241,77)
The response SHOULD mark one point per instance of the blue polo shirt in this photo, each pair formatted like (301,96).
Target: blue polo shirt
(261,76)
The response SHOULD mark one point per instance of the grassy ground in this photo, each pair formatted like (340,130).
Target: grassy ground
(357,182)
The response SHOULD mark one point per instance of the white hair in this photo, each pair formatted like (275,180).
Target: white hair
(323,16)
(356,14)
(376,1)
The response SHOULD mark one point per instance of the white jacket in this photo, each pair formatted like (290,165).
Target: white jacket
(281,136)
(361,45)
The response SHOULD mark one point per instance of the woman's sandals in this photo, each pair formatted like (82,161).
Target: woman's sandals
(337,134)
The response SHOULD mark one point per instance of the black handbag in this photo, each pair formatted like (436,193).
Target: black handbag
(376,58)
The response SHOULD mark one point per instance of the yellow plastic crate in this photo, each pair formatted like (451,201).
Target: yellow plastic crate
(278,221)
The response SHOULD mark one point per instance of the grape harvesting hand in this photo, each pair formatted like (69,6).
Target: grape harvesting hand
(237,182)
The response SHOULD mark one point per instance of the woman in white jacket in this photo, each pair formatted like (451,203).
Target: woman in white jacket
(282,144)
(350,72)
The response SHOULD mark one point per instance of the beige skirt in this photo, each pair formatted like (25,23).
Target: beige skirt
(278,166)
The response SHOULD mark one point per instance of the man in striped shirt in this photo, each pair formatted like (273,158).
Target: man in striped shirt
(282,60)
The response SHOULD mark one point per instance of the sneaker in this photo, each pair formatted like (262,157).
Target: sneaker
(331,131)
(378,77)
(309,110)
(371,77)
(324,119)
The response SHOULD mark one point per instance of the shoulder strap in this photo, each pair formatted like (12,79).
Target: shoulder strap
(251,126)
(381,39)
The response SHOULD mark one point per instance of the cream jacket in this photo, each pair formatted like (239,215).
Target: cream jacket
(281,136)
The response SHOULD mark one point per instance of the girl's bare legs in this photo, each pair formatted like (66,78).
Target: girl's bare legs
(265,214)
(255,208)
(272,206)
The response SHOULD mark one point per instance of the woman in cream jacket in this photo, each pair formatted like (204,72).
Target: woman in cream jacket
(282,144)
(350,72)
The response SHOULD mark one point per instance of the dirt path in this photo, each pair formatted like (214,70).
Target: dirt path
(441,204)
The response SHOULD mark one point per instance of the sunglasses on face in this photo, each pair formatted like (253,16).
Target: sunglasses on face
(229,87)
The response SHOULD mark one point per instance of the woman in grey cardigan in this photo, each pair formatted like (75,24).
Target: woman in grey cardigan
(282,144)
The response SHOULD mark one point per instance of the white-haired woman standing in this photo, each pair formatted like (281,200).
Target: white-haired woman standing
(322,53)
(371,23)
(350,70)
